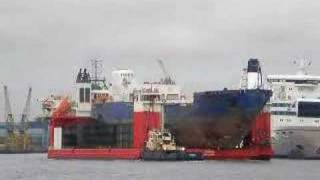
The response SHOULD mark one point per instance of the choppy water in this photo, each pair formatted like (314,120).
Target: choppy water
(38,167)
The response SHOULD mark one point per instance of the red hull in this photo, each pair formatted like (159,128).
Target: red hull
(259,147)
(130,154)
(135,154)
(65,121)
(262,153)
(143,122)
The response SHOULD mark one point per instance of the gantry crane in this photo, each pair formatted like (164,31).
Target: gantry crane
(25,114)
(25,138)
(8,113)
(11,140)
(17,139)
(167,78)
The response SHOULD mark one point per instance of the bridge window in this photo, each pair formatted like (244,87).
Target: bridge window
(87,95)
(81,94)
(150,97)
(172,97)
(281,105)
(283,113)
(314,82)
(309,109)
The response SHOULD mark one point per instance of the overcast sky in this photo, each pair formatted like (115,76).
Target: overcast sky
(204,43)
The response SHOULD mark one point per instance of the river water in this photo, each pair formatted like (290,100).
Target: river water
(38,167)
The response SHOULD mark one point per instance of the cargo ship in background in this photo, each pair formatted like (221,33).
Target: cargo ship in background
(295,114)
(100,125)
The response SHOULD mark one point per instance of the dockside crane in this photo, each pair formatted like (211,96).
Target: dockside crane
(10,126)
(11,140)
(25,114)
(18,139)
(167,78)
(24,139)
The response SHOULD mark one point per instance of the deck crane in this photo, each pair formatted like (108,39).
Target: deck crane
(63,108)
(167,79)
(8,113)
(25,114)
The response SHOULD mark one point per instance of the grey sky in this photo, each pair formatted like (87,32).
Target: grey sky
(204,43)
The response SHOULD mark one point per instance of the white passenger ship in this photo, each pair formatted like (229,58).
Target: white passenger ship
(295,114)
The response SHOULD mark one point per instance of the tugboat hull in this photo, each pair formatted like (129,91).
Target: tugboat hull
(171,156)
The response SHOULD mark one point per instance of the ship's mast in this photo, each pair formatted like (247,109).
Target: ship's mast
(96,71)
(244,79)
(303,65)
(97,67)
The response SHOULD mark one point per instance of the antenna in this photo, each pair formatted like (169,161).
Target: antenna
(303,65)
(96,69)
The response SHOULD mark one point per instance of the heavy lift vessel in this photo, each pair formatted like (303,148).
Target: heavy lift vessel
(91,136)
(256,147)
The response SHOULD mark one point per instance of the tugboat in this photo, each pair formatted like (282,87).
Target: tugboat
(161,146)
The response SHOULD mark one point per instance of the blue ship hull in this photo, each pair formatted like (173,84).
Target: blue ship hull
(216,119)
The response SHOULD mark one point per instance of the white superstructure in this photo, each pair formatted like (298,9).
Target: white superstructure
(158,94)
(92,90)
(295,114)
(123,84)
(169,93)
